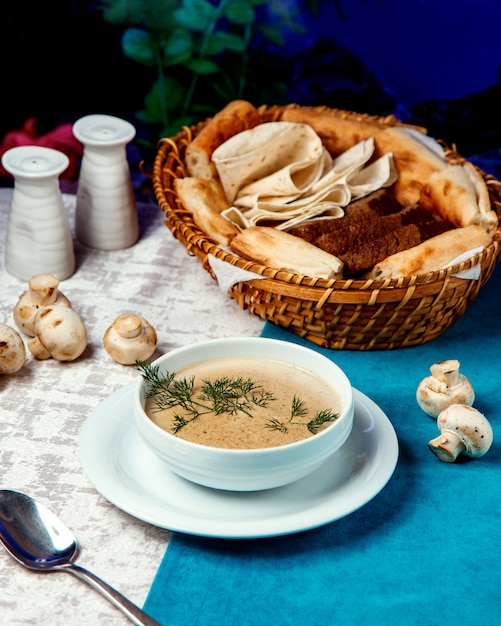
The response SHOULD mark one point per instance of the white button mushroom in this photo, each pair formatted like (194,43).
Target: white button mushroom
(42,291)
(12,350)
(444,387)
(464,430)
(130,338)
(59,333)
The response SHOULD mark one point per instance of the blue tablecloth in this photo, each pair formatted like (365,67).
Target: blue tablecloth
(425,550)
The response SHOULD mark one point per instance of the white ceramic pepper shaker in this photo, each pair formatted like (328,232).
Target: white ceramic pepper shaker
(38,236)
(106,213)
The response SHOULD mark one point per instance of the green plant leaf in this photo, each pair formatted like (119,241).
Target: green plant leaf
(272,34)
(205,6)
(139,45)
(195,15)
(121,11)
(178,43)
(240,12)
(165,95)
(220,41)
(202,66)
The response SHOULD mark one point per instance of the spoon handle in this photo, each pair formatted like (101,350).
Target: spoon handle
(133,612)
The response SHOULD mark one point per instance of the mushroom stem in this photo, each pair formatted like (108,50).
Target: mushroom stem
(447,372)
(444,387)
(128,326)
(43,289)
(447,446)
(37,349)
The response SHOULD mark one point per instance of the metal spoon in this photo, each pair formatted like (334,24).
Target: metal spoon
(36,538)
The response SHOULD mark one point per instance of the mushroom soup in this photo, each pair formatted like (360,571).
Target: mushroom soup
(240,402)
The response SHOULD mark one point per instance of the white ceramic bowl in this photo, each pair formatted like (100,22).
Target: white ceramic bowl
(241,469)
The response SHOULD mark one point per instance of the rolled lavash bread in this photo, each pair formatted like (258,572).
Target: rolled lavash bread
(237,116)
(455,192)
(433,254)
(205,200)
(276,248)
(337,132)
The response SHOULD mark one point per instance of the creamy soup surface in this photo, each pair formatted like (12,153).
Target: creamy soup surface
(267,426)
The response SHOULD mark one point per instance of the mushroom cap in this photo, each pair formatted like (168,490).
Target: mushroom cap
(12,350)
(130,338)
(42,291)
(469,426)
(60,331)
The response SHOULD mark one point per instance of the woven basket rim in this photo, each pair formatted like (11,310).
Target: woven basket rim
(195,238)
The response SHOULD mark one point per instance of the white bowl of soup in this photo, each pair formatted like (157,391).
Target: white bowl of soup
(243,414)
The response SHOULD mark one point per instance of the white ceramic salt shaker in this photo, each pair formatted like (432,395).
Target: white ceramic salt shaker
(38,238)
(106,213)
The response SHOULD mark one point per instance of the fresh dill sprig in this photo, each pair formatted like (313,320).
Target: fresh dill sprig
(274,424)
(320,419)
(223,395)
(298,408)
(234,395)
(154,382)
(179,422)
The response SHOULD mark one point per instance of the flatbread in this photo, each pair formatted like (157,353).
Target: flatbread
(275,248)
(205,200)
(237,116)
(338,133)
(456,193)
(433,254)
(414,161)
(280,158)
(257,173)
(280,172)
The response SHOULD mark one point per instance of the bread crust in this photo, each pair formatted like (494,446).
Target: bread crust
(205,200)
(278,249)
(237,116)
(431,255)
(415,163)
(337,133)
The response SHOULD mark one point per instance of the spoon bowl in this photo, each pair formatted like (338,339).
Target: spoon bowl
(37,539)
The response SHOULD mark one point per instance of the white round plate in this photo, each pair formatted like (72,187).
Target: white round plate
(130,476)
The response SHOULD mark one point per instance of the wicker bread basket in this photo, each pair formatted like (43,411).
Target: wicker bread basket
(337,314)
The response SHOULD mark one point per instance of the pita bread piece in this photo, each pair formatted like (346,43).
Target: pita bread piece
(234,118)
(431,255)
(205,200)
(277,249)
